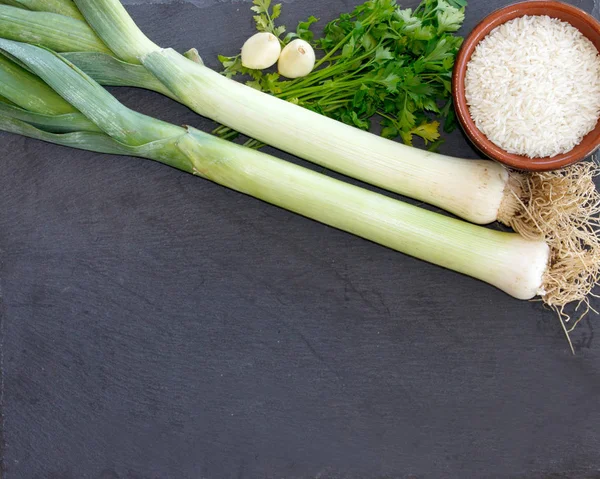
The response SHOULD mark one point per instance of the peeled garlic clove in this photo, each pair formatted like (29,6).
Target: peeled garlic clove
(297,59)
(261,51)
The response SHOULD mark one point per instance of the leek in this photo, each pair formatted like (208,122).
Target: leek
(508,261)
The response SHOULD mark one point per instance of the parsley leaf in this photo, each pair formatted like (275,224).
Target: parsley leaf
(449,18)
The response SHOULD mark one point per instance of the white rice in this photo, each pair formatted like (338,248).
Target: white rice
(533,86)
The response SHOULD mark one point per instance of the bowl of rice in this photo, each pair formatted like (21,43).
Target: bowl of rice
(526,85)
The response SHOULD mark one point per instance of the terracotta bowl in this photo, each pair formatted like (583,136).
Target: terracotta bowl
(588,25)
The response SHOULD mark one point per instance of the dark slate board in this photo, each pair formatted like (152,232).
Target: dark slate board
(155,325)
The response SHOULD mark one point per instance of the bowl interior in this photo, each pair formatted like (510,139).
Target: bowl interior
(581,20)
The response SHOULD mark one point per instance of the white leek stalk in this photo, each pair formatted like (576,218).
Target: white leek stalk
(518,266)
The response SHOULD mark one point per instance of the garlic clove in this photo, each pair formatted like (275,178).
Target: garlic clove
(296,60)
(261,51)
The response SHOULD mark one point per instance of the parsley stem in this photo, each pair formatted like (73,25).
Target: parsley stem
(327,99)
(326,72)
(335,49)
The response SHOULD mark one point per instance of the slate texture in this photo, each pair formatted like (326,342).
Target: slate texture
(154,325)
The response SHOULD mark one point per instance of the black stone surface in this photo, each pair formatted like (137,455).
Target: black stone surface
(154,325)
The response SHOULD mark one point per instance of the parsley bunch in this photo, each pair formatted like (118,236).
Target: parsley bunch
(377,62)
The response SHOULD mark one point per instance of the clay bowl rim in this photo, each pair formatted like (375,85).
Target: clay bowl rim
(589,144)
